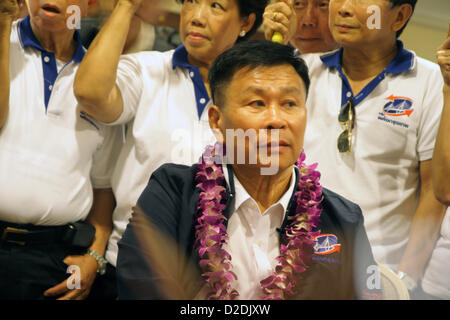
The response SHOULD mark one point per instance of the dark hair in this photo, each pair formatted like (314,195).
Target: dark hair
(247,7)
(396,3)
(252,54)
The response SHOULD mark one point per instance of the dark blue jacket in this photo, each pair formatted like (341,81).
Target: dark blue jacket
(157,260)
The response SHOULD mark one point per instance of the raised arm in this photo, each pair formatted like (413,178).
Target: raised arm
(441,156)
(95,82)
(8,10)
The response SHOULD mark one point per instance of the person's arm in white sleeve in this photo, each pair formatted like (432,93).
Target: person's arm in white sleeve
(95,84)
(429,213)
(8,10)
(441,156)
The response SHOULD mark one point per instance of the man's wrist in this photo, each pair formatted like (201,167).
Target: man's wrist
(101,261)
(127,7)
(409,282)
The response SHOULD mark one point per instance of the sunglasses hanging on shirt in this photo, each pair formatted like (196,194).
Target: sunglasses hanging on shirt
(347,119)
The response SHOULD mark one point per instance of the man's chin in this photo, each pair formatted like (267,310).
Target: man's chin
(50,25)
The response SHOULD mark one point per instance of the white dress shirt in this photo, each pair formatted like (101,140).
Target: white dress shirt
(254,240)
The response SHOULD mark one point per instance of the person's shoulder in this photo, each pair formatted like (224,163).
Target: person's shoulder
(152,64)
(150,58)
(421,66)
(15,36)
(427,65)
(312,60)
(340,207)
(425,77)
(315,63)
(170,182)
(428,71)
(175,174)
(175,170)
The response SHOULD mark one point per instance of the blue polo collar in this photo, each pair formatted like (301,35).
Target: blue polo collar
(49,68)
(180,60)
(402,62)
(28,39)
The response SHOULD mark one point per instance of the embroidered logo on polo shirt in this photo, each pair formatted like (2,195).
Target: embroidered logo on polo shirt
(326,244)
(396,108)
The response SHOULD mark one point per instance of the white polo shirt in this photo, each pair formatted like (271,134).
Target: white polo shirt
(166,103)
(51,155)
(436,279)
(397,117)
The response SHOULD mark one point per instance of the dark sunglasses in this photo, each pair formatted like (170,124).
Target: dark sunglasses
(347,119)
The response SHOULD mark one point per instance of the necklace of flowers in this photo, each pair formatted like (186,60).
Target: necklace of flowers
(211,235)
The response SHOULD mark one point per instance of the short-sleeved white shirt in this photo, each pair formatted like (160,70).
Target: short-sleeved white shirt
(165,105)
(436,279)
(397,117)
(51,154)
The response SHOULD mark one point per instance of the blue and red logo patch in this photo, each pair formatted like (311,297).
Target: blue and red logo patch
(326,243)
(398,106)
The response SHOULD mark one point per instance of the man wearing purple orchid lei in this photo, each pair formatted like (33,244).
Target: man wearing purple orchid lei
(250,219)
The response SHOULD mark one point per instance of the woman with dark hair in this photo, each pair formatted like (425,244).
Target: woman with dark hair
(163,98)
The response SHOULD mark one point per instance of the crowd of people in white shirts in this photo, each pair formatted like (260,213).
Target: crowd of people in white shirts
(81,131)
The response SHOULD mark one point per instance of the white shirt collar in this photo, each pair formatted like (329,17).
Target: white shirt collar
(242,196)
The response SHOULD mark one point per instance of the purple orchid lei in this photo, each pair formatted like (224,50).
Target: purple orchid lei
(211,234)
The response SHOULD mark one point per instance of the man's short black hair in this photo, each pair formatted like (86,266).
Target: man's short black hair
(252,54)
(247,7)
(396,3)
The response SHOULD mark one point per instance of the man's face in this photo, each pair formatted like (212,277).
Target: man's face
(355,23)
(313,34)
(265,100)
(52,15)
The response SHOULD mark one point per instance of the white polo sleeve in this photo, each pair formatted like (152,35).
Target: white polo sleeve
(130,83)
(105,157)
(431,114)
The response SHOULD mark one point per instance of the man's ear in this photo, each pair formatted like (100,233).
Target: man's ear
(404,12)
(215,117)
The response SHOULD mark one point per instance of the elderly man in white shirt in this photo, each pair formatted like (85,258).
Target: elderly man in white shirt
(374,110)
(52,157)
